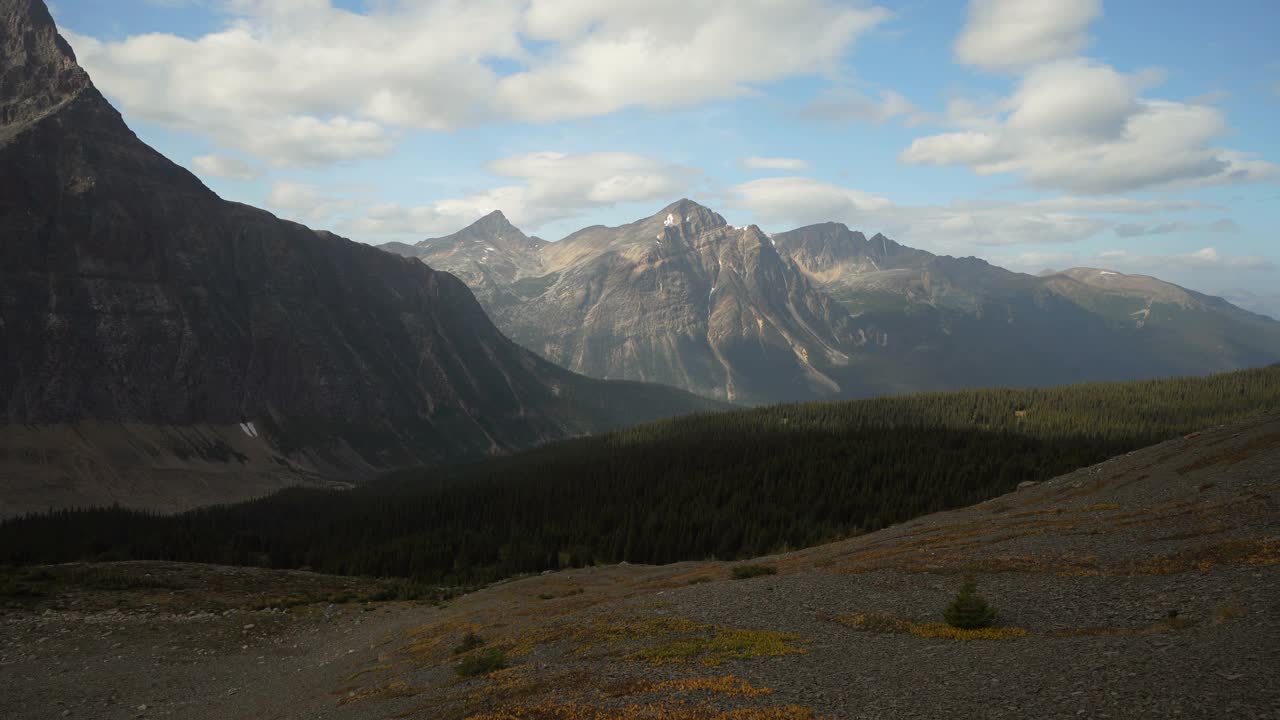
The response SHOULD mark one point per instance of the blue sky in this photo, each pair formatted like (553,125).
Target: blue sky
(1135,135)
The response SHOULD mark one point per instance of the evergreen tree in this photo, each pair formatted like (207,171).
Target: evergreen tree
(969,611)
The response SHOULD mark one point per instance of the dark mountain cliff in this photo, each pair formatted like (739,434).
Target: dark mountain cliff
(132,294)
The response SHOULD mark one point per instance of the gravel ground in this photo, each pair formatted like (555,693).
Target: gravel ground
(1145,587)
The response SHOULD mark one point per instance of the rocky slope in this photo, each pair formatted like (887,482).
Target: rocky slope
(186,340)
(1141,587)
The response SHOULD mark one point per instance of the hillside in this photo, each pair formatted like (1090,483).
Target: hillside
(165,348)
(825,312)
(728,485)
(1140,587)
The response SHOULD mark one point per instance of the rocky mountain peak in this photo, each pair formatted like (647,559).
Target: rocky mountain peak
(38,70)
(685,213)
(493,222)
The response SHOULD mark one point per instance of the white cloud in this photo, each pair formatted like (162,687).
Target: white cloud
(300,82)
(552,186)
(774,163)
(612,54)
(842,105)
(794,201)
(225,167)
(1205,258)
(1224,225)
(1035,261)
(1003,34)
(801,201)
(1080,127)
(306,203)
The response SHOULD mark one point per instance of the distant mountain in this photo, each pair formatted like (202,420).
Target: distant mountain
(680,298)
(968,322)
(488,255)
(160,346)
(684,298)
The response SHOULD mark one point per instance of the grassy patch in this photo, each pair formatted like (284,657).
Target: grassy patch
(744,572)
(470,641)
(553,710)
(389,691)
(723,644)
(481,663)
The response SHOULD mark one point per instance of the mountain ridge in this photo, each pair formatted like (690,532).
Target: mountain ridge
(873,315)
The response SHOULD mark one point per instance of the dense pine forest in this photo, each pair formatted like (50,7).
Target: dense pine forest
(725,485)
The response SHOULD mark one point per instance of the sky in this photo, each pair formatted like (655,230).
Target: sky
(1133,135)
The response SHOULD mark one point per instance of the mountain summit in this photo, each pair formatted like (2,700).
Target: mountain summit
(206,350)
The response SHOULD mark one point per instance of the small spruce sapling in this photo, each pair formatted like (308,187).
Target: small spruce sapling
(969,611)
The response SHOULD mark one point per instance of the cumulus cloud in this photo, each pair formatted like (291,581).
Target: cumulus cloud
(1004,34)
(550,186)
(795,201)
(1083,128)
(843,105)
(774,163)
(229,168)
(303,82)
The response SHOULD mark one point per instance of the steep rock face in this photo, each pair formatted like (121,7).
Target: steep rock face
(130,293)
(681,298)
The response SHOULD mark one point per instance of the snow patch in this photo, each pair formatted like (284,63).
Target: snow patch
(1105,272)
(671,220)
(248,429)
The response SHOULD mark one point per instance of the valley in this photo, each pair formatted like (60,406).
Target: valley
(1139,587)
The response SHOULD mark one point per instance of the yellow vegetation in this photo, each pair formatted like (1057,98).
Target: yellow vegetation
(725,685)
(882,623)
(662,640)
(660,711)
(724,644)
(383,692)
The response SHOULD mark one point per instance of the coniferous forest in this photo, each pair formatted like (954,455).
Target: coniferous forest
(727,485)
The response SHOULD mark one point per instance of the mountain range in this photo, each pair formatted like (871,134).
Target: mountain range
(686,299)
(164,347)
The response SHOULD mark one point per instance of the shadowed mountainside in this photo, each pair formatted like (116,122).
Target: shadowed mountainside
(154,335)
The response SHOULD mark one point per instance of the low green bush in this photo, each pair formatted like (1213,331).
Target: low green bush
(481,663)
(743,572)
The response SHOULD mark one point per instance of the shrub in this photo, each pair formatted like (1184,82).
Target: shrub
(482,663)
(743,572)
(969,611)
(470,642)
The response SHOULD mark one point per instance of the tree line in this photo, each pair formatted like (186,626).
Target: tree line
(728,485)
